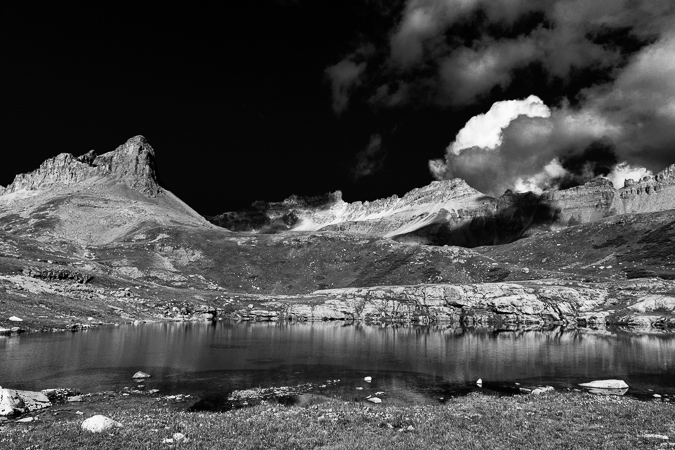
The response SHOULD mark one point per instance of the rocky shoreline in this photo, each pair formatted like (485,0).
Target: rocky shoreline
(634,304)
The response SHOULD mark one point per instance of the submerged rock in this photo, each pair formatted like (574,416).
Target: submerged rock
(99,424)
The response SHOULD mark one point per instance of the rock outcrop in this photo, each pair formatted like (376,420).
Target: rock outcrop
(15,402)
(132,163)
(649,194)
(538,303)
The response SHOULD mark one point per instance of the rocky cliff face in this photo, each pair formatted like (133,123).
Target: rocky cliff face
(132,163)
(650,194)
(586,203)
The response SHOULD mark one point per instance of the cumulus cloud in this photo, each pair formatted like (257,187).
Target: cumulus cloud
(621,129)
(485,130)
(457,67)
(532,142)
(611,64)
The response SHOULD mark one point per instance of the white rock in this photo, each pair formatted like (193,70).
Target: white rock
(27,419)
(542,390)
(99,424)
(15,319)
(20,402)
(605,384)
(178,437)
(139,375)
(375,400)
(368,379)
(479,382)
(661,437)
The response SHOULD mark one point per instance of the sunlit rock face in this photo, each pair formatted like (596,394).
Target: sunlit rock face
(133,163)
(586,203)
(650,194)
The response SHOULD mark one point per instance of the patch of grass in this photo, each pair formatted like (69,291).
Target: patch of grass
(556,420)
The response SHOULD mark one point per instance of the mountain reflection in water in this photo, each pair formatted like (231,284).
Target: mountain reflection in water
(202,358)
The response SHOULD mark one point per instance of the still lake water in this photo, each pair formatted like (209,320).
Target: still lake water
(411,364)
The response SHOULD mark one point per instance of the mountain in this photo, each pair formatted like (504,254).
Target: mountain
(453,213)
(97,239)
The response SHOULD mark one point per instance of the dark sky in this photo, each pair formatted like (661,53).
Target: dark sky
(263,99)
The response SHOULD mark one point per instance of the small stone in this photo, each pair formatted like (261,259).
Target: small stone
(75,399)
(410,428)
(178,437)
(27,419)
(656,396)
(479,382)
(359,388)
(368,379)
(79,413)
(140,375)
(374,400)
(167,441)
(99,424)
(655,436)
(15,319)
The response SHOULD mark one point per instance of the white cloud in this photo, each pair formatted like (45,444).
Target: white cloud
(344,76)
(625,171)
(485,130)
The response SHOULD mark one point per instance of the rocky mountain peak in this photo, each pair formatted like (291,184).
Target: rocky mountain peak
(133,163)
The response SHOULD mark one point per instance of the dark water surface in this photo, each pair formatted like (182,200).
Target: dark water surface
(408,363)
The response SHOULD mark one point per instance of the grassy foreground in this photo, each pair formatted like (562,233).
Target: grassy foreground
(555,421)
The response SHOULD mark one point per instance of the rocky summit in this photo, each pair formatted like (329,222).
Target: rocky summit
(96,239)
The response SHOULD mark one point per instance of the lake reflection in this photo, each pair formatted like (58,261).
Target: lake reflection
(426,361)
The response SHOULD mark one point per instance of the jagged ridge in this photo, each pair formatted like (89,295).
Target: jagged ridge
(132,163)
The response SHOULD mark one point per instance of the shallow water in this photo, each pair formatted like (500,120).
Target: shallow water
(408,363)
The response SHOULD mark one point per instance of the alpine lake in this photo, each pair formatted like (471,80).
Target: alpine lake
(406,364)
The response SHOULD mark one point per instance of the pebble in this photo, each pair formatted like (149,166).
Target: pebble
(15,319)
(368,379)
(479,382)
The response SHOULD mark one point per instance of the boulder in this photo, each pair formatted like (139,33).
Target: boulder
(14,402)
(140,375)
(99,424)
(605,384)
(542,390)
